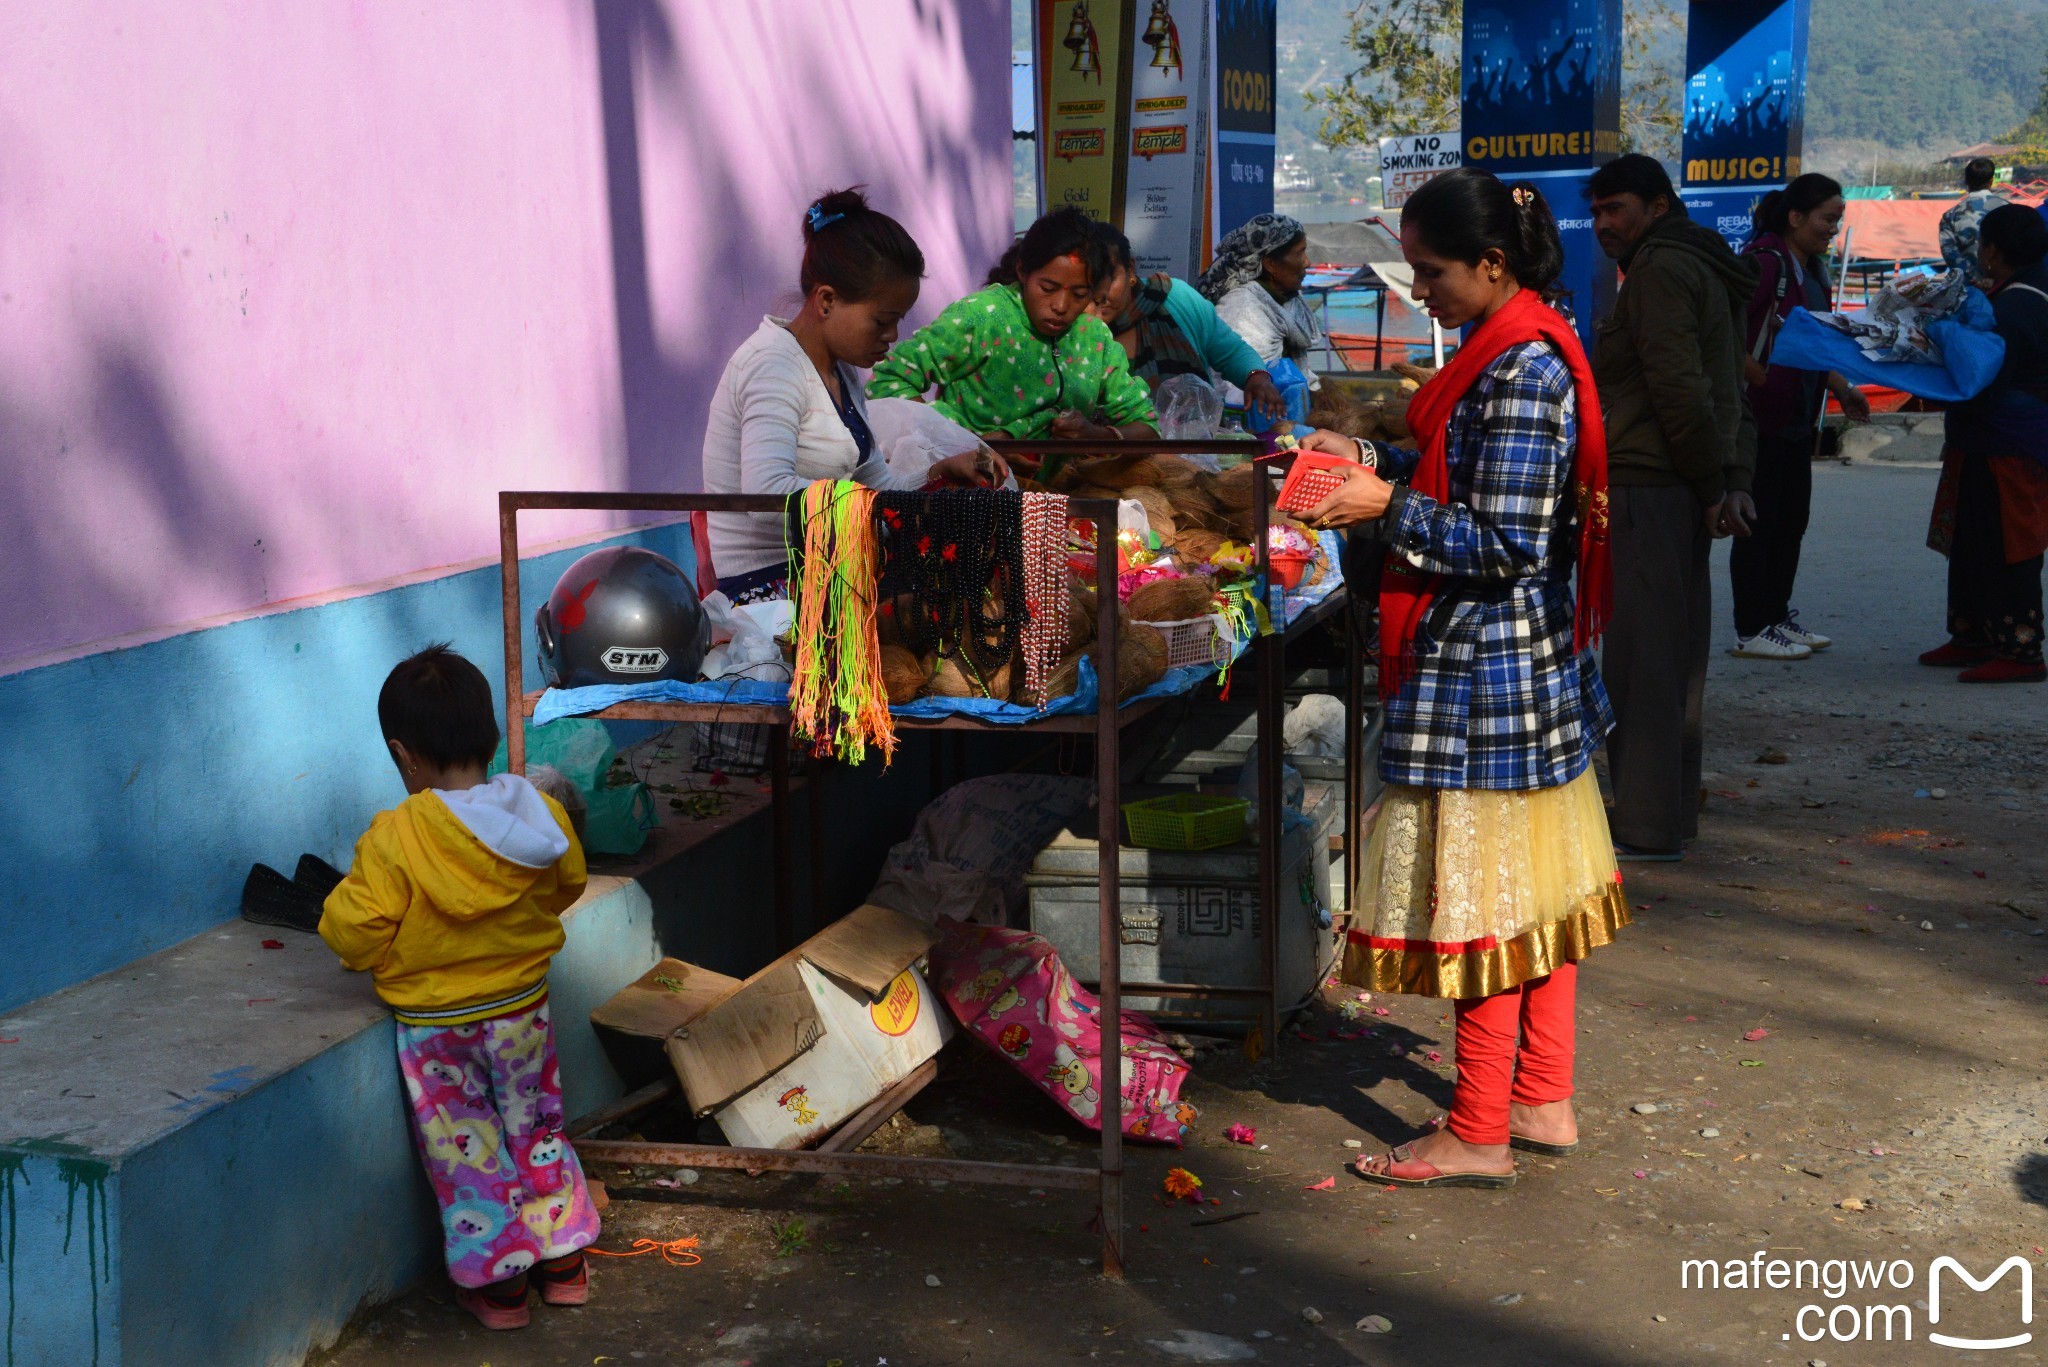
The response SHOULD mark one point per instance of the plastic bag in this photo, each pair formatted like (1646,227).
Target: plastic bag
(747,646)
(1189,408)
(1293,792)
(913,437)
(617,817)
(1293,386)
(1315,729)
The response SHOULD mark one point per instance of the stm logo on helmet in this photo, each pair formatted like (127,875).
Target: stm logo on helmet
(635,660)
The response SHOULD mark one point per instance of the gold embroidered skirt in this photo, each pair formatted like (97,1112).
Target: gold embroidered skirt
(1468,892)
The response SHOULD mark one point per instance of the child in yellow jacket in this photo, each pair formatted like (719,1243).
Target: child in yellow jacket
(454,905)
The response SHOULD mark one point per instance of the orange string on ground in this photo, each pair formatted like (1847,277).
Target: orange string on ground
(674,1252)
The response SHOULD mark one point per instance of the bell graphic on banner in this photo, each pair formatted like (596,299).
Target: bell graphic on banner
(1082,42)
(1163,37)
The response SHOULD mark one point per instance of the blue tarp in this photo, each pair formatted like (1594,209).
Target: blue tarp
(1971,354)
(557,703)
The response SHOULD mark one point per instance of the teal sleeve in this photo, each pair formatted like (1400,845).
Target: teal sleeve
(1228,354)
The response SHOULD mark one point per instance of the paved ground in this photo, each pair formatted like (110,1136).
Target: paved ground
(1891,944)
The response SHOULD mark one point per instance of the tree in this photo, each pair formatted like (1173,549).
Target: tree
(1407,77)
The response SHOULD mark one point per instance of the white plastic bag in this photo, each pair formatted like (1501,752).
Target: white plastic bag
(913,437)
(1189,408)
(1314,729)
(747,646)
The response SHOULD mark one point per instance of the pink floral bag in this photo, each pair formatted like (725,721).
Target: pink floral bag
(1009,989)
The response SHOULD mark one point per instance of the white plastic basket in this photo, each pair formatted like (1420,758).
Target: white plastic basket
(1197,641)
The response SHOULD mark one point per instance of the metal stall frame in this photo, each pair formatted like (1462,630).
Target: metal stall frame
(1106,725)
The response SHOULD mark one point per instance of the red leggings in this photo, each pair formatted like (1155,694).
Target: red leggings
(1491,1074)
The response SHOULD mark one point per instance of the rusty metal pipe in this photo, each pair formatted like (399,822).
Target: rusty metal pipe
(833,1164)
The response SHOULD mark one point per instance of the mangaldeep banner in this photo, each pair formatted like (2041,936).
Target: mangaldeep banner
(1245,59)
(1083,51)
(1541,85)
(1165,189)
(1745,93)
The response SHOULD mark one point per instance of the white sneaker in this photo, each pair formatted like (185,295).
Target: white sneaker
(1771,644)
(1792,631)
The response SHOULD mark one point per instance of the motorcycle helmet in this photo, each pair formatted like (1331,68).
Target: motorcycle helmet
(622,615)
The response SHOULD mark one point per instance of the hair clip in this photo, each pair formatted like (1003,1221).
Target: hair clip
(1522,195)
(819,219)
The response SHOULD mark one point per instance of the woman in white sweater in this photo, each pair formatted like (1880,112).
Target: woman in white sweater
(789,409)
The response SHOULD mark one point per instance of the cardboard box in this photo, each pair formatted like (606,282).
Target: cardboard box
(786,1057)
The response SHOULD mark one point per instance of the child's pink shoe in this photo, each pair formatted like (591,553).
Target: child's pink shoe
(564,1280)
(501,1305)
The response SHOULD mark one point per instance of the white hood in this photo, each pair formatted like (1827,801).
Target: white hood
(512,820)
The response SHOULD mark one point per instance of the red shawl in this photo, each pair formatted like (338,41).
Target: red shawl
(1406,593)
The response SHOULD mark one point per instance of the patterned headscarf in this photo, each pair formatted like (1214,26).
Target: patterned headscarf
(1242,253)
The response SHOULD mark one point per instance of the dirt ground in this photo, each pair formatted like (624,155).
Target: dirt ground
(1869,888)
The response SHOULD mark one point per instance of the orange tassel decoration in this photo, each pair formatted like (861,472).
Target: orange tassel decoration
(838,700)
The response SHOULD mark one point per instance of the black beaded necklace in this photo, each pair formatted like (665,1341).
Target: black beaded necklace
(959,554)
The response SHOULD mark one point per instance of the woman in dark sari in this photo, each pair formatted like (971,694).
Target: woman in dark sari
(1991,509)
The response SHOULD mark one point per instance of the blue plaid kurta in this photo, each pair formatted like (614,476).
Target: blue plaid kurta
(1496,698)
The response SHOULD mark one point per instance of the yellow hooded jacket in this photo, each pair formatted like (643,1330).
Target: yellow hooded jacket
(455,901)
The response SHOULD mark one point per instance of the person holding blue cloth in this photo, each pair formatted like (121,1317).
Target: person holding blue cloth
(1991,507)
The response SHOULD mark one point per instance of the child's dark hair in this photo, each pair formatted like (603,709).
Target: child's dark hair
(856,250)
(1805,194)
(439,706)
(1063,232)
(1466,213)
(2019,233)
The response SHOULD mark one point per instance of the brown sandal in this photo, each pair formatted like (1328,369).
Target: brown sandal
(1422,1173)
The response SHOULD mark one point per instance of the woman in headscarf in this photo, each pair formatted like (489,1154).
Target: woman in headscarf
(1167,328)
(1255,283)
(1991,509)
(1490,871)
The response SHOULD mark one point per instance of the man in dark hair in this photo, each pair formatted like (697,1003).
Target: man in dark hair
(1680,452)
(1960,224)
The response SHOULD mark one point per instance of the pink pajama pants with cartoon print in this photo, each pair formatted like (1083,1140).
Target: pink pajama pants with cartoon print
(487,1113)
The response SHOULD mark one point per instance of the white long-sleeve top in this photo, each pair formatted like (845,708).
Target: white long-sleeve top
(773,429)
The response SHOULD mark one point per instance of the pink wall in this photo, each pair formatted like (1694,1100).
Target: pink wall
(287,291)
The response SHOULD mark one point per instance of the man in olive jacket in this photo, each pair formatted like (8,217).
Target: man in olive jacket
(1680,451)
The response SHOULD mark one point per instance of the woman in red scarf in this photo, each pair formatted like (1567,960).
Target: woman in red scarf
(1489,873)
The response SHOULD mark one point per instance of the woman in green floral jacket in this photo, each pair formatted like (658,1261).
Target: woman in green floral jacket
(1023,357)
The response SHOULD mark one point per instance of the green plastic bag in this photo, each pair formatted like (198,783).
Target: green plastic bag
(618,816)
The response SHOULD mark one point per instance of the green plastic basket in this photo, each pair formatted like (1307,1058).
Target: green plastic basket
(1186,821)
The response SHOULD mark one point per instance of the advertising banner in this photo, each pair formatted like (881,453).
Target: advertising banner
(1745,106)
(1083,49)
(1406,162)
(1244,57)
(1541,85)
(1168,150)
(1542,102)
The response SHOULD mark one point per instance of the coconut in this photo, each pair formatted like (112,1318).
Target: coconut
(1170,600)
(950,681)
(1170,473)
(1420,374)
(1196,547)
(1080,615)
(903,674)
(1158,507)
(1061,683)
(1140,658)
(1394,419)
